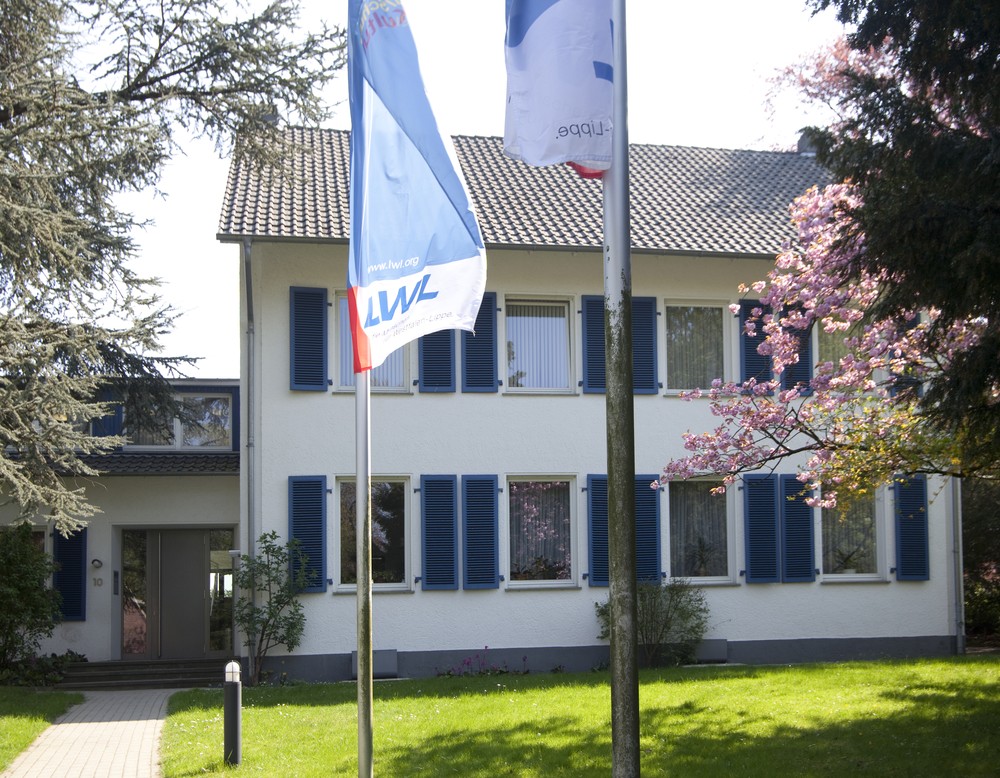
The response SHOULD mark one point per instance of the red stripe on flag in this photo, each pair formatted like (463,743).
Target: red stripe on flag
(362,350)
(586,172)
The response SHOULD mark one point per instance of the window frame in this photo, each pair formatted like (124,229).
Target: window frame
(879,509)
(177,435)
(570,344)
(571,582)
(729,499)
(406,585)
(728,338)
(405,387)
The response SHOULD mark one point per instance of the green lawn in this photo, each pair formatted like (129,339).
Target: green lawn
(24,713)
(913,718)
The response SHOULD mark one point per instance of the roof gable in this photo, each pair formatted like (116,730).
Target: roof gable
(683,200)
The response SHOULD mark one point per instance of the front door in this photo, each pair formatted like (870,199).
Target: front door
(177,593)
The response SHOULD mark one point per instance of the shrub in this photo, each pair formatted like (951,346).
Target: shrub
(267,609)
(671,621)
(29,608)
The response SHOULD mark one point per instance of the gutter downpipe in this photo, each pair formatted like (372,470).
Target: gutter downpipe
(250,415)
(959,562)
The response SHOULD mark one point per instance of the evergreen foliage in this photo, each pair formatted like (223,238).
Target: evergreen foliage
(917,135)
(94,97)
(29,608)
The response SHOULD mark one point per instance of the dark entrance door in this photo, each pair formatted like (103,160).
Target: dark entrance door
(177,593)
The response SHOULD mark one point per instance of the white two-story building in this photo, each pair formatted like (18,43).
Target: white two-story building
(489,451)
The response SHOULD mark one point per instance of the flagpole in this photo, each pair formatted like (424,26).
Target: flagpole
(620,424)
(363,533)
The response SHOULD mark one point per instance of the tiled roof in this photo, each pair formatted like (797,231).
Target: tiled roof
(683,200)
(166,463)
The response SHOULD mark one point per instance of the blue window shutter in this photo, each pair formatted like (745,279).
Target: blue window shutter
(760,524)
(439,531)
(480,547)
(644,378)
(798,546)
(437,361)
(111,424)
(70,580)
(752,364)
(308,313)
(592,309)
(597,529)
(644,365)
(479,351)
(307,525)
(800,374)
(912,551)
(647,529)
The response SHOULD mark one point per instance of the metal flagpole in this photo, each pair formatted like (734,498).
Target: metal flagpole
(363,531)
(620,424)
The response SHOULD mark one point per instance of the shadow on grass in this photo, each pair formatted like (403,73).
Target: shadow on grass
(934,728)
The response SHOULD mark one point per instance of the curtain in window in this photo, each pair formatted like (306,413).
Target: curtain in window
(539,530)
(849,538)
(698,542)
(537,345)
(388,375)
(694,346)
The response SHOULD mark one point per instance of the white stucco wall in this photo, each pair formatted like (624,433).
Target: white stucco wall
(507,434)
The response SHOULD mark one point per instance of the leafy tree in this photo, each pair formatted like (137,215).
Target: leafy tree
(94,97)
(917,96)
(29,608)
(267,610)
(859,421)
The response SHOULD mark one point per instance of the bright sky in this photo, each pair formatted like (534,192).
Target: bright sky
(697,76)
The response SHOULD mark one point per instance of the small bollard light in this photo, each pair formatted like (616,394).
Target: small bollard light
(233,714)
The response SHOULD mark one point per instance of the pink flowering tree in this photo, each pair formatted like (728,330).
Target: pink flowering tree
(857,422)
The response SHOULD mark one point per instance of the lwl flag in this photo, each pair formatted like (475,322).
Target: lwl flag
(559,82)
(417,261)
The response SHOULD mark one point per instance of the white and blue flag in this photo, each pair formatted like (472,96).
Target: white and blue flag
(417,260)
(559,82)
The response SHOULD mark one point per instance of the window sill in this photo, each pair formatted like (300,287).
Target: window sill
(535,586)
(840,578)
(352,590)
(540,392)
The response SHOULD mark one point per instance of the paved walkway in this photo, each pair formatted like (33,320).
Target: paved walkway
(109,735)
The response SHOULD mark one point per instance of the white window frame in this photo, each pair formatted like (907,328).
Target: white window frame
(334,558)
(177,435)
(732,546)
(345,352)
(883,508)
(729,339)
(575,562)
(571,356)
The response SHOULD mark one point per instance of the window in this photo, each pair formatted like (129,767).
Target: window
(206,422)
(647,529)
(778,527)
(699,535)
(849,538)
(390,375)
(644,369)
(538,345)
(388,508)
(695,346)
(541,530)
